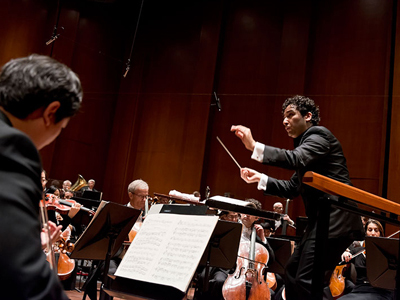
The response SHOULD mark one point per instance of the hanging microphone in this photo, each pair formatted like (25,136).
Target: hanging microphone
(217,102)
(128,66)
(52,39)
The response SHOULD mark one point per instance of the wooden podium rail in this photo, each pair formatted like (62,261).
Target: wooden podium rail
(334,187)
(337,188)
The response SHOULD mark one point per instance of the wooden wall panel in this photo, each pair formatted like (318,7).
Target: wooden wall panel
(24,27)
(93,43)
(171,82)
(347,73)
(394,154)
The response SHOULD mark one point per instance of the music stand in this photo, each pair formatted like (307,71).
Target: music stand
(382,260)
(283,250)
(105,233)
(222,249)
(92,195)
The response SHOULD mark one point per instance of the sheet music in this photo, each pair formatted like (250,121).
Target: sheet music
(167,249)
(230,200)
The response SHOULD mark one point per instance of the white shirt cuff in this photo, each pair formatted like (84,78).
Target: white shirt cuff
(262,184)
(258,152)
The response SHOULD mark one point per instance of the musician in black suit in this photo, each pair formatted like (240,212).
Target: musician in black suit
(315,149)
(38,96)
(90,186)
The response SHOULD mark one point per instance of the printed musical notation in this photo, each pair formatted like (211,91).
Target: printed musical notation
(167,249)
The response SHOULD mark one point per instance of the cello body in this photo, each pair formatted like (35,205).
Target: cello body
(247,281)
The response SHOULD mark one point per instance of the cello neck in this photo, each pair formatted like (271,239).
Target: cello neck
(285,223)
(252,251)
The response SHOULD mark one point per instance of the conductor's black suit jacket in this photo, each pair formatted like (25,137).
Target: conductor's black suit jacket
(24,272)
(317,150)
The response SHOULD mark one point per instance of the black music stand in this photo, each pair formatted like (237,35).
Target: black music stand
(382,261)
(92,195)
(283,250)
(222,249)
(105,234)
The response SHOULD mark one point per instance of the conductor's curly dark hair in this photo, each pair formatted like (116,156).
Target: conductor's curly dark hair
(303,105)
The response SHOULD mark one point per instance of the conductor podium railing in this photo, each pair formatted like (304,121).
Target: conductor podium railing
(390,212)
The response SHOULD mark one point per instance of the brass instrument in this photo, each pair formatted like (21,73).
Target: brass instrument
(80,183)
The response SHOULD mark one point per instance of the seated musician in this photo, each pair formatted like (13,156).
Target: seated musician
(64,221)
(38,97)
(248,222)
(362,288)
(90,186)
(278,208)
(138,192)
(268,228)
(357,285)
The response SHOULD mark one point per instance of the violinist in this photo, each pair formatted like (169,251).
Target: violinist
(66,219)
(315,149)
(38,96)
(362,289)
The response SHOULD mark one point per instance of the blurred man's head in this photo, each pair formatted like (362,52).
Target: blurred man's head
(39,95)
(91,183)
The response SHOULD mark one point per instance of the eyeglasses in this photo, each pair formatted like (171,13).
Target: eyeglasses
(141,196)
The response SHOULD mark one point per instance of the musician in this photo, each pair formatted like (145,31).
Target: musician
(38,96)
(90,187)
(66,186)
(315,149)
(229,216)
(278,208)
(363,289)
(268,229)
(138,192)
(248,222)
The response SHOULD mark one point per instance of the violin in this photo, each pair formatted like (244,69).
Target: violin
(62,206)
(337,281)
(247,281)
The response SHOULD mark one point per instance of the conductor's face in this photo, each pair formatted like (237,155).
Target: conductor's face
(295,124)
(138,198)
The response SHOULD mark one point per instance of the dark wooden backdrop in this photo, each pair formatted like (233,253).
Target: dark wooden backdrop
(159,123)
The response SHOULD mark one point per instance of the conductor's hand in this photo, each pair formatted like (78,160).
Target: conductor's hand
(249,175)
(244,134)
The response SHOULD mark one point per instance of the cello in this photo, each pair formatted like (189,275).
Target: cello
(247,281)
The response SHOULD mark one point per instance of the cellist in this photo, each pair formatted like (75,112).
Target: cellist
(248,223)
(237,286)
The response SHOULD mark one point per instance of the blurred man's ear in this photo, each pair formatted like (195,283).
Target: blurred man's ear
(49,114)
